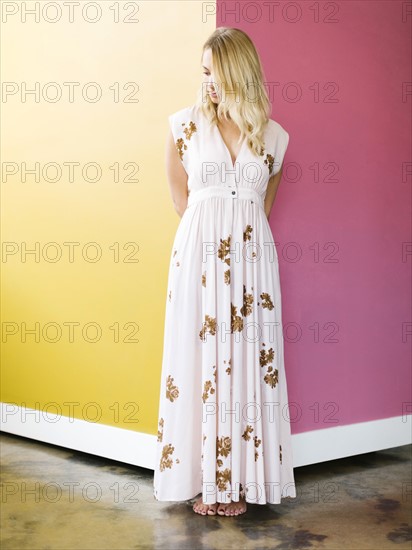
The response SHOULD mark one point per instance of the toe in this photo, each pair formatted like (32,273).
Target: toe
(221,510)
(199,507)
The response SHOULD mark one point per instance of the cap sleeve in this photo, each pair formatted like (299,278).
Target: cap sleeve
(182,128)
(281,145)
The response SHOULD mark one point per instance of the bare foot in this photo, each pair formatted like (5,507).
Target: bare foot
(235,508)
(204,509)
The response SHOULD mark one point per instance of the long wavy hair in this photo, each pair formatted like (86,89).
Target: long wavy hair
(237,66)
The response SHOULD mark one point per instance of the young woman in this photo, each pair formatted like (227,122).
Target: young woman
(224,428)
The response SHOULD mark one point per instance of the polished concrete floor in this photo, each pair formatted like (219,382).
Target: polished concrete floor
(54,498)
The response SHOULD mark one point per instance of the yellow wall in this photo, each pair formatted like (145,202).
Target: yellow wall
(161,53)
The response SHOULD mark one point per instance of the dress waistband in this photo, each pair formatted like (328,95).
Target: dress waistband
(227,192)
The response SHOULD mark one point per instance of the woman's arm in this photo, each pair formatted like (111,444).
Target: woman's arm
(271,191)
(176,175)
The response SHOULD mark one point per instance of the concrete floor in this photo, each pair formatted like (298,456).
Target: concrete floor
(54,498)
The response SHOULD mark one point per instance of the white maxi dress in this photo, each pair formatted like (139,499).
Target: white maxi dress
(223,424)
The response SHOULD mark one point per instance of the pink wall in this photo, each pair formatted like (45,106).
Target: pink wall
(366,135)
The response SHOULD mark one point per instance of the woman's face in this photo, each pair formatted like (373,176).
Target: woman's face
(208,79)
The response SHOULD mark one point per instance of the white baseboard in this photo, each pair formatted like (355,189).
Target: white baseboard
(138,448)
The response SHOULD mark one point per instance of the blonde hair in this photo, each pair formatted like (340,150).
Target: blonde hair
(237,66)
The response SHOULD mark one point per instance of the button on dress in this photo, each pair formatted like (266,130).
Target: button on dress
(223,424)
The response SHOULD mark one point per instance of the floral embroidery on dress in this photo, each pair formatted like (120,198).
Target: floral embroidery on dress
(204,278)
(257,443)
(269,161)
(267,301)
(203,444)
(247,233)
(224,249)
(207,387)
(180,142)
(223,477)
(246,309)
(160,430)
(166,460)
(272,375)
(181,147)
(266,356)
(248,430)
(229,368)
(172,392)
(223,448)
(189,131)
(227,277)
(209,326)
(236,321)
(280,453)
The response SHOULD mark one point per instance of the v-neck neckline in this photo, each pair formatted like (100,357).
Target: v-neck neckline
(227,148)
